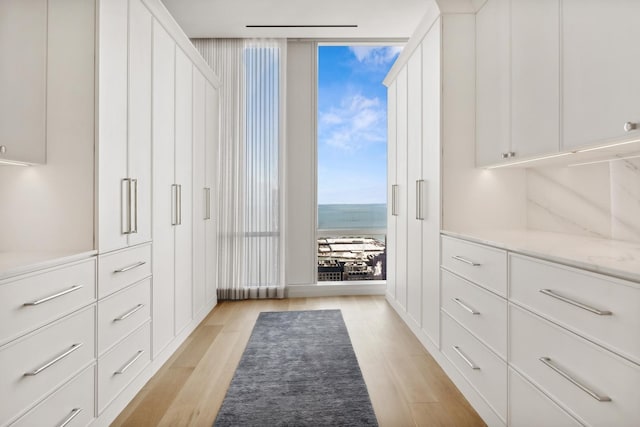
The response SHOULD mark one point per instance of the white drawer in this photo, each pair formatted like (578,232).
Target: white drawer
(528,407)
(534,341)
(120,269)
(32,366)
(480,264)
(488,375)
(122,364)
(49,295)
(122,313)
(74,402)
(619,331)
(481,312)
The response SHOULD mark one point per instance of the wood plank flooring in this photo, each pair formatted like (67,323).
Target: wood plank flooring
(407,387)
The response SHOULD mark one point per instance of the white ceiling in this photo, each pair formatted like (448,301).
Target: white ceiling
(381,19)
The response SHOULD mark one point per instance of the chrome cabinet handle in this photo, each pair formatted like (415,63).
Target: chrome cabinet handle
(466,261)
(207,203)
(126,206)
(629,126)
(394,200)
(129,313)
(128,365)
(465,306)
(179,204)
(74,413)
(130,267)
(573,302)
(134,206)
(465,358)
(419,203)
(49,298)
(548,362)
(174,204)
(54,361)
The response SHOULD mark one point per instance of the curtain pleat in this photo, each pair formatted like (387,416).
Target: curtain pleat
(248,174)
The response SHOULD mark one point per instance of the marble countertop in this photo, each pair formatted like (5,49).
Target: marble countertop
(613,257)
(16,263)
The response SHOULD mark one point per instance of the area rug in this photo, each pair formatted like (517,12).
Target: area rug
(298,369)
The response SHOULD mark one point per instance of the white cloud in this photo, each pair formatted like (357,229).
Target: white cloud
(375,54)
(357,122)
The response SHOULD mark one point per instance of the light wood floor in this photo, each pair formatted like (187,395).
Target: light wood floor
(407,387)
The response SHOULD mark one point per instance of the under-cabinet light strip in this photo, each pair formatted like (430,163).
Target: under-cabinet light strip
(604,160)
(12,163)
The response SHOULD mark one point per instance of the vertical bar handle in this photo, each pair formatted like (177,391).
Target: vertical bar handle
(419,202)
(394,200)
(174,204)
(179,204)
(134,228)
(125,187)
(207,203)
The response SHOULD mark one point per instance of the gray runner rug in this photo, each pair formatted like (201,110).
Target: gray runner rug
(298,369)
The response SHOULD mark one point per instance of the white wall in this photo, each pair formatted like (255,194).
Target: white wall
(301,209)
(51,207)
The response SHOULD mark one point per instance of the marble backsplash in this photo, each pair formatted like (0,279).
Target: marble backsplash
(597,200)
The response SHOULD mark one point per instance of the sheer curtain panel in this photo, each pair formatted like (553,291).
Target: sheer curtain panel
(250,255)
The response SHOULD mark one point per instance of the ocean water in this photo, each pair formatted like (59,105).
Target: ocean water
(344,217)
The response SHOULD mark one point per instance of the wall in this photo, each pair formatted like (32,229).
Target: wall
(597,200)
(301,208)
(51,207)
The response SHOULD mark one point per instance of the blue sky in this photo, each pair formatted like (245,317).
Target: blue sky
(352,123)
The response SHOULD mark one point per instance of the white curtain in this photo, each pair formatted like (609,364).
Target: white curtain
(250,255)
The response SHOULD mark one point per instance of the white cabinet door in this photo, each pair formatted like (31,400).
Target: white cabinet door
(140,117)
(402,193)
(431,187)
(391,189)
(163,194)
(183,165)
(199,192)
(211,149)
(112,126)
(414,176)
(601,59)
(535,77)
(23,76)
(492,82)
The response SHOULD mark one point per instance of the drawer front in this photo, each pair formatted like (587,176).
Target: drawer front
(122,364)
(480,311)
(34,365)
(121,269)
(480,264)
(122,313)
(528,407)
(488,375)
(547,354)
(617,331)
(73,403)
(35,300)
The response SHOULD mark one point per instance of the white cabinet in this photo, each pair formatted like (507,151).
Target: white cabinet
(211,150)
(492,83)
(164,189)
(414,185)
(124,140)
(601,58)
(402,189)
(535,77)
(392,189)
(23,76)
(183,179)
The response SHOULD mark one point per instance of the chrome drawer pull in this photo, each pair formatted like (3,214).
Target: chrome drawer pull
(130,267)
(552,294)
(74,413)
(547,361)
(128,365)
(129,313)
(54,361)
(49,298)
(466,261)
(465,358)
(465,306)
